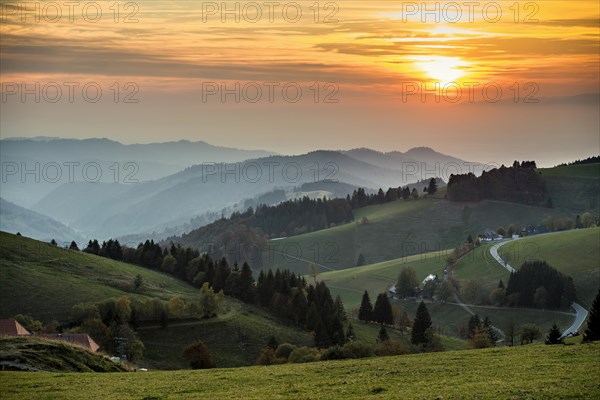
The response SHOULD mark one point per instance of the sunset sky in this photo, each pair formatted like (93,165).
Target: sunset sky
(371,58)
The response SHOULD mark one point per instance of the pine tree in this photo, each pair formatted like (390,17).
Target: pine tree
(432,188)
(421,324)
(592,332)
(312,317)
(554,336)
(73,246)
(382,312)
(246,289)
(383,335)
(365,312)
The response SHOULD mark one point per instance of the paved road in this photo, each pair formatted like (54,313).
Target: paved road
(580,312)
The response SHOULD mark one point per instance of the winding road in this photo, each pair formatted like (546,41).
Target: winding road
(580,312)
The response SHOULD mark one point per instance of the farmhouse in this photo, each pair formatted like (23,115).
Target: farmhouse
(78,339)
(11,327)
(489,236)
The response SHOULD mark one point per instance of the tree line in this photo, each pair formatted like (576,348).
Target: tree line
(520,183)
(231,237)
(283,293)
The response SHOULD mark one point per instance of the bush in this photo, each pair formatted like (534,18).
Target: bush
(268,357)
(358,349)
(335,353)
(198,355)
(304,355)
(391,348)
(284,350)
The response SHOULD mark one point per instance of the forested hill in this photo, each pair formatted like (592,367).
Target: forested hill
(521,183)
(252,228)
(242,236)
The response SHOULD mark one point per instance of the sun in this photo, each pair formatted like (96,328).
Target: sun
(442,69)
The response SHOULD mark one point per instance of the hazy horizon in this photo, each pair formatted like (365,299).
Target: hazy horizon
(524,85)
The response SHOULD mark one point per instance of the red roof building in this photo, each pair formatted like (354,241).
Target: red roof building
(11,327)
(79,339)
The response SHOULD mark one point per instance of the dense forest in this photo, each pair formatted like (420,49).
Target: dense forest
(283,293)
(537,284)
(520,183)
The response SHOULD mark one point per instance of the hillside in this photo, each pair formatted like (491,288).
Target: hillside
(36,354)
(15,219)
(398,229)
(530,372)
(350,284)
(139,162)
(46,281)
(575,253)
(574,187)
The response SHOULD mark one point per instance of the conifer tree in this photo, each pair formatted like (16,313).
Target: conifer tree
(365,312)
(554,336)
(382,312)
(592,332)
(421,324)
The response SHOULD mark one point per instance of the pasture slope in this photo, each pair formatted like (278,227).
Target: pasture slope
(398,229)
(574,252)
(531,372)
(46,282)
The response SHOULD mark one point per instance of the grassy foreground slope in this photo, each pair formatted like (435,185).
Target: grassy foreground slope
(38,354)
(46,281)
(532,372)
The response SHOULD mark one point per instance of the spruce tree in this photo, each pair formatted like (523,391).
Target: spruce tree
(312,317)
(365,312)
(592,332)
(432,188)
(554,336)
(382,312)
(421,324)
(246,289)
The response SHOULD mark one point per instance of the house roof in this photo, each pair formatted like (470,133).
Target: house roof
(11,327)
(80,339)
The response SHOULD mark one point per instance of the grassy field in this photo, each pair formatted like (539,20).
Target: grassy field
(398,229)
(376,278)
(46,281)
(575,253)
(574,187)
(234,339)
(524,372)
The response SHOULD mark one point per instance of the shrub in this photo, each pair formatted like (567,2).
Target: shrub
(198,355)
(358,349)
(391,348)
(304,355)
(284,350)
(335,353)
(268,357)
